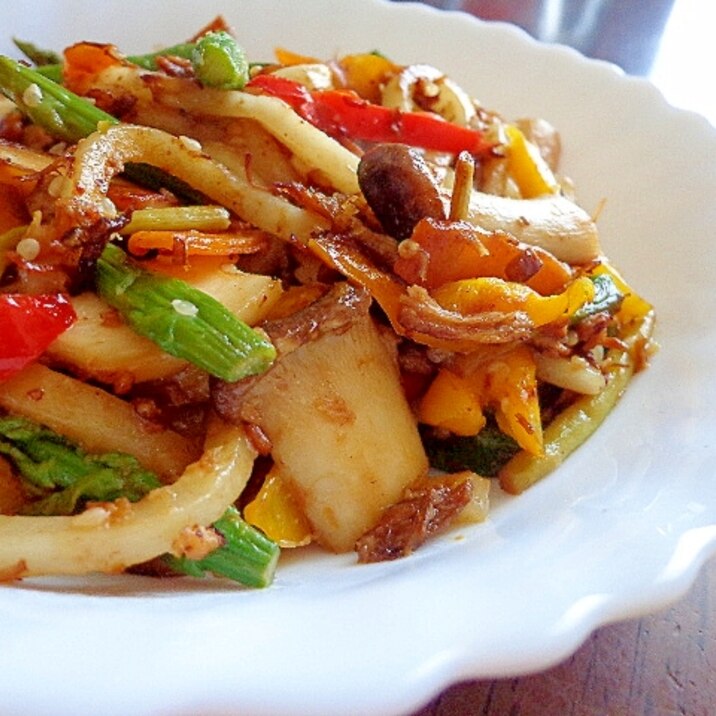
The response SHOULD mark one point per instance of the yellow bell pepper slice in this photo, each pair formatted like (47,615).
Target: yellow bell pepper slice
(449,403)
(276,512)
(366,73)
(477,295)
(513,392)
(527,166)
(574,425)
(507,384)
(634,307)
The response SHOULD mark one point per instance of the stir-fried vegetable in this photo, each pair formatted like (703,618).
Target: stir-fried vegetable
(28,325)
(112,536)
(485,453)
(182,320)
(49,64)
(69,117)
(48,104)
(65,479)
(573,426)
(345,114)
(244,555)
(219,61)
(204,218)
(607,297)
(247,306)
(63,476)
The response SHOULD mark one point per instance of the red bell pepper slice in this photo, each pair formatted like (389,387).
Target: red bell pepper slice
(28,324)
(343,113)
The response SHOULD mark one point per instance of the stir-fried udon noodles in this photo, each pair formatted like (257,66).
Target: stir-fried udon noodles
(248,305)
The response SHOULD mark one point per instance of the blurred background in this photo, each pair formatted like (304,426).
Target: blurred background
(671,42)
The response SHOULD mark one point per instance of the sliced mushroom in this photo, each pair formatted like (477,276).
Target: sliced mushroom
(400,188)
(553,222)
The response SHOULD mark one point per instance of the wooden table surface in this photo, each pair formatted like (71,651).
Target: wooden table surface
(663,663)
(659,665)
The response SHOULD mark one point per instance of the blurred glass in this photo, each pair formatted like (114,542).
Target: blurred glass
(669,41)
(626,32)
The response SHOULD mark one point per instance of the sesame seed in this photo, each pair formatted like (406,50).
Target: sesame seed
(107,209)
(408,248)
(91,518)
(184,308)
(57,185)
(28,248)
(32,96)
(58,149)
(189,143)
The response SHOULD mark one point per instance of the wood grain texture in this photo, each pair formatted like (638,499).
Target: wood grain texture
(661,665)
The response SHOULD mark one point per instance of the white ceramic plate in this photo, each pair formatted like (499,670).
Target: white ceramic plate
(621,529)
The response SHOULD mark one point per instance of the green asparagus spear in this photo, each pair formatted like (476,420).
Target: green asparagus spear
(49,63)
(149,61)
(63,476)
(69,117)
(62,113)
(181,319)
(52,72)
(247,555)
(220,62)
(37,55)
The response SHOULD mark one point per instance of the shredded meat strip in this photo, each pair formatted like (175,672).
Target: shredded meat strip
(404,526)
(422,314)
(333,313)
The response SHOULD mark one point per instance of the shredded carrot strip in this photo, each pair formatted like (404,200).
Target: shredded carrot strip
(195,243)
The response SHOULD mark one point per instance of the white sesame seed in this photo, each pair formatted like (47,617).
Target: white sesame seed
(58,149)
(189,143)
(32,96)
(91,518)
(28,248)
(107,209)
(408,248)
(184,308)
(57,185)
